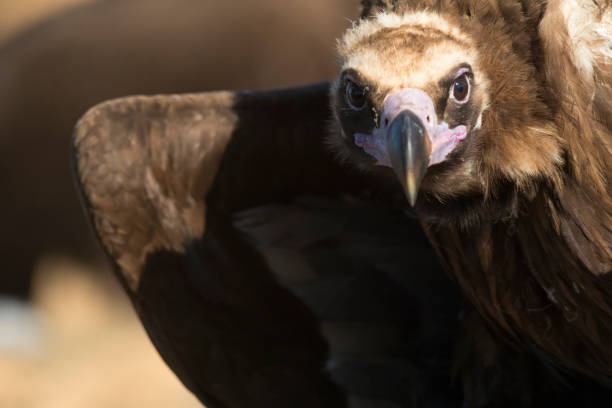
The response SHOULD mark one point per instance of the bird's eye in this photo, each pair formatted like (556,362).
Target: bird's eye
(356,96)
(461,88)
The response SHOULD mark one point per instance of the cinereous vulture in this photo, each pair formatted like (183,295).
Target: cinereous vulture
(272,254)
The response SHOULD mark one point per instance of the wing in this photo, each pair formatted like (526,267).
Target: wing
(254,295)
(159,176)
(576,38)
(149,167)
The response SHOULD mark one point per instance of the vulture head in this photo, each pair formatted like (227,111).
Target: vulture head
(450,102)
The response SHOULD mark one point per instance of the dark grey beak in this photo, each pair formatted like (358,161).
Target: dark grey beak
(409,149)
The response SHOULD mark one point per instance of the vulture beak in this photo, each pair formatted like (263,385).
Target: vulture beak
(409,149)
(409,138)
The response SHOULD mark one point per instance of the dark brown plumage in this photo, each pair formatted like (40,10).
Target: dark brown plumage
(476,107)
(330,317)
(520,211)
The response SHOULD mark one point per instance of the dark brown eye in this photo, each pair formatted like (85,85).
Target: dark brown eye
(356,96)
(461,88)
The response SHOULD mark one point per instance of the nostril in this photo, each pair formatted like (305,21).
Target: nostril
(428,119)
(386,122)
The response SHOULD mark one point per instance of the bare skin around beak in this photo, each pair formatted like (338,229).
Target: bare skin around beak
(409,148)
(409,138)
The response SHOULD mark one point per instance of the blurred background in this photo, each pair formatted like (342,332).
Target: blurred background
(68,336)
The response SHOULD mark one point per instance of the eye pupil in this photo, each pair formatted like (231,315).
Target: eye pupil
(356,96)
(460,88)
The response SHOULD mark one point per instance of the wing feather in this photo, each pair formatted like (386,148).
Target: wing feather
(159,177)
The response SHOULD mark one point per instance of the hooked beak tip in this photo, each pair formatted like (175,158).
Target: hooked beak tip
(411,188)
(409,149)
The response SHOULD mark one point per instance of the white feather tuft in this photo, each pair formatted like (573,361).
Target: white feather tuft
(590,33)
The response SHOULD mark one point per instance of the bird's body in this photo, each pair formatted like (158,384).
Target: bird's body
(519,209)
(495,118)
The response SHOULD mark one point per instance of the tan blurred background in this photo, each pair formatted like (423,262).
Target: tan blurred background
(79,344)
(18,15)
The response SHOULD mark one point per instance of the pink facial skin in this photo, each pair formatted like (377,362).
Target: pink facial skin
(443,139)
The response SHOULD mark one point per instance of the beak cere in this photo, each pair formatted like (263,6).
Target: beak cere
(409,148)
